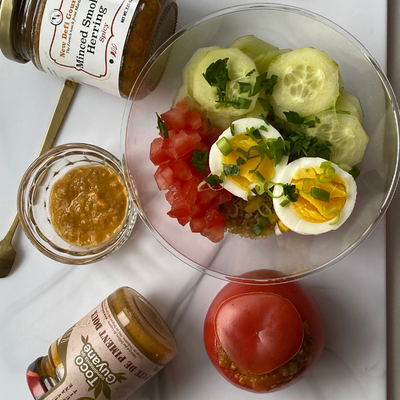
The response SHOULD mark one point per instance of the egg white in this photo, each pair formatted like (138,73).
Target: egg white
(215,157)
(292,220)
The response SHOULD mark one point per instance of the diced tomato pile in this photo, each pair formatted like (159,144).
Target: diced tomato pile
(187,131)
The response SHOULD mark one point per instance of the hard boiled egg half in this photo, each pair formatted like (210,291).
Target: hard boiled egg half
(326,196)
(242,156)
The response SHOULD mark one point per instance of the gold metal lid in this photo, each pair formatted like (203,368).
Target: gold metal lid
(6,26)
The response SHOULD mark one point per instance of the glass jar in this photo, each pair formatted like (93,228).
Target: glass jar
(103,43)
(109,353)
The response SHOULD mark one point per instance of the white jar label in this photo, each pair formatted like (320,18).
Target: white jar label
(100,361)
(83,40)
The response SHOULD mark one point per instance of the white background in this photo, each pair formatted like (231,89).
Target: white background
(41,298)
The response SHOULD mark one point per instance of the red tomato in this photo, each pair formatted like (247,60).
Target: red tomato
(260,329)
(164,177)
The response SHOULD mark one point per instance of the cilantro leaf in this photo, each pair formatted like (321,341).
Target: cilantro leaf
(162,126)
(262,81)
(217,76)
(213,180)
(199,160)
(294,118)
(354,172)
(230,169)
(291,192)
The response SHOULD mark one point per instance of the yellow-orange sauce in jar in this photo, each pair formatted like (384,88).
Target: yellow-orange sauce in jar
(88,205)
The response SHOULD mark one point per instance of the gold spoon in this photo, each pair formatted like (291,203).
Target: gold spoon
(7,253)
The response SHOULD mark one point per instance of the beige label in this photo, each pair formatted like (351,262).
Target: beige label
(100,361)
(83,40)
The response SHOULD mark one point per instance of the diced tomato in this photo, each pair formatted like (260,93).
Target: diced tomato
(206,196)
(184,220)
(202,146)
(204,130)
(222,197)
(196,211)
(189,189)
(193,118)
(216,233)
(162,150)
(184,143)
(212,217)
(197,225)
(181,169)
(180,208)
(213,135)
(175,118)
(170,197)
(164,176)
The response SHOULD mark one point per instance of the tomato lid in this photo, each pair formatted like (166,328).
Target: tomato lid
(259,331)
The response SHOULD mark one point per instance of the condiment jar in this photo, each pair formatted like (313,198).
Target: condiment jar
(103,43)
(108,354)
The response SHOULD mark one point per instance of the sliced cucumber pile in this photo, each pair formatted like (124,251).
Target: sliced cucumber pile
(305,81)
(308,82)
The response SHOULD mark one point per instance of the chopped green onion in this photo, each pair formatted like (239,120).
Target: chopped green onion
(224,146)
(335,210)
(327,176)
(243,153)
(267,209)
(320,194)
(303,189)
(232,128)
(257,190)
(230,169)
(285,203)
(266,189)
(259,227)
(161,125)
(253,133)
(325,164)
(262,156)
(259,176)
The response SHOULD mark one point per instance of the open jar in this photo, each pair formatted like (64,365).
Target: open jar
(103,43)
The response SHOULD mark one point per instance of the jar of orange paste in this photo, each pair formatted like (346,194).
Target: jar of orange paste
(108,354)
(103,43)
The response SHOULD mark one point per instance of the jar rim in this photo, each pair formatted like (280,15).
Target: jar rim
(6,27)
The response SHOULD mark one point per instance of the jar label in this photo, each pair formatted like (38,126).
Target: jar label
(100,361)
(83,40)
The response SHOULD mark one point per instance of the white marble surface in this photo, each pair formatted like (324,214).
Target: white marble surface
(41,298)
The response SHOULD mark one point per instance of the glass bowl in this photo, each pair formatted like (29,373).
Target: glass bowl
(292,255)
(33,203)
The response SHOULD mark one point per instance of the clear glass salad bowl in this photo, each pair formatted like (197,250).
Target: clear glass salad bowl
(293,255)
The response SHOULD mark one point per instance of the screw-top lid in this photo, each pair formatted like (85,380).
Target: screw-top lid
(6,26)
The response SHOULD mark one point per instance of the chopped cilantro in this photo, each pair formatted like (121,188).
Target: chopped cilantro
(291,192)
(244,87)
(294,118)
(354,172)
(213,180)
(199,160)
(230,169)
(162,126)
(262,81)
(217,76)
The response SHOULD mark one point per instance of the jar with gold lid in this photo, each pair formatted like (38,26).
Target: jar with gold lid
(108,354)
(103,43)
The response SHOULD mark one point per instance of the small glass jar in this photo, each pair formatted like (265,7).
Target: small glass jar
(104,43)
(109,353)
(83,209)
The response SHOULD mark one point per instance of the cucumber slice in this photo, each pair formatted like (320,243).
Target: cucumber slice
(346,135)
(239,65)
(347,102)
(260,51)
(190,67)
(308,82)
(253,46)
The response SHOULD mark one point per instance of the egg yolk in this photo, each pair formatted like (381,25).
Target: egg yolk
(246,178)
(310,209)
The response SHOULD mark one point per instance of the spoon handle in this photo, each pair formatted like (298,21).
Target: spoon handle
(66,95)
(63,103)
